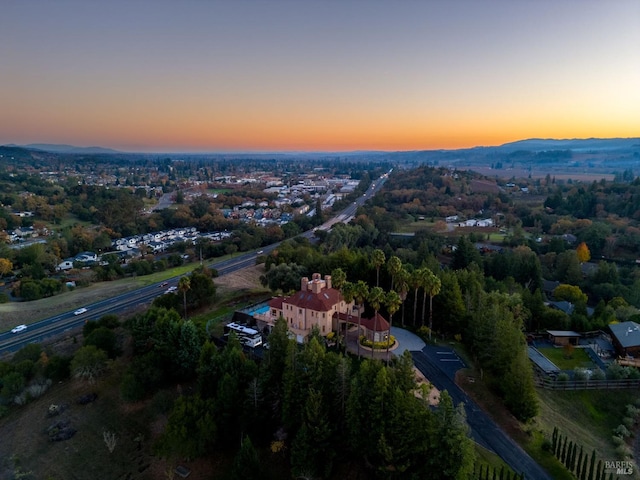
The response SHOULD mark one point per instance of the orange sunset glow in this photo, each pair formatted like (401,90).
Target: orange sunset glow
(332,76)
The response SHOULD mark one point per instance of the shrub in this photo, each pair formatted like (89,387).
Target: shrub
(598,374)
(580,374)
(162,402)
(632,411)
(617,441)
(621,431)
(628,422)
(616,372)
(378,345)
(562,377)
(623,451)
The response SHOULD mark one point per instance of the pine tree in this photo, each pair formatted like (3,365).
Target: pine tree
(592,466)
(563,455)
(573,457)
(579,465)
(554,439)
(599,472)
(583,472)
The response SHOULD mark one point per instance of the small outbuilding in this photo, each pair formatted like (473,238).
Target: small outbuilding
(563,337)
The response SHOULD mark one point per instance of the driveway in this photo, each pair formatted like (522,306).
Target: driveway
(439,365)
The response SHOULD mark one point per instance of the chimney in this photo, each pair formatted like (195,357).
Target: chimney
(327,281)
(316,285)
(304,284)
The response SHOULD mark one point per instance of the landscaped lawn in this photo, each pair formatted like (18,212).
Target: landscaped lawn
(579,358)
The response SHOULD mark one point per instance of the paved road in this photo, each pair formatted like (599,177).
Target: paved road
(439,365)
(64,323)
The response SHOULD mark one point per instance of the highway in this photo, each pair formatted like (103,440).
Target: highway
(65,323)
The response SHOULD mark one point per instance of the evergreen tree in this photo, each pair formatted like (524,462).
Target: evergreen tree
(246,464)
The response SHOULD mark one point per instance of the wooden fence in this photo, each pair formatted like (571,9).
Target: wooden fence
(555,384)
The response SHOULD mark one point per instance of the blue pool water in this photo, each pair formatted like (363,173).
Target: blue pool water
(260,310)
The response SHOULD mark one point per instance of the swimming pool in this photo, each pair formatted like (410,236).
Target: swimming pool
(259,310)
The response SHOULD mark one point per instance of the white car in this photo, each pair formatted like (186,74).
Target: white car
(80,311)
(18,329)
(171,289)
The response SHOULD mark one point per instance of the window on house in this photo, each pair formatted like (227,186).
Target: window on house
(323,328)
(324,315)
(300,311)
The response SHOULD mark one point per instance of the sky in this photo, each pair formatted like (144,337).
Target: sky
(335,75)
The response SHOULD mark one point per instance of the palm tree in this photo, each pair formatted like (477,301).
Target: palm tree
(415,281)
(392,301)
(394,265)
(375,298)
(184,285)
(338,278)
(425,282)
(402,286)
(433,289)
(361,292)
(348,292)
(378,259)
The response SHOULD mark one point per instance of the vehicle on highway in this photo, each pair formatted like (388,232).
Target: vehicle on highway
(80,311)
(260,252)
(18,329)
(164,284)
(171,289)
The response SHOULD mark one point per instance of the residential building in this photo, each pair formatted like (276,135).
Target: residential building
(318,304)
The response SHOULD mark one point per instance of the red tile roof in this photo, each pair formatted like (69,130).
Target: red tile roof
(320,302)
(380,326)
(276,302)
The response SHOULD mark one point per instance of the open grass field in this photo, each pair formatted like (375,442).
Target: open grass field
(578,359)
(16,313)
(587,417)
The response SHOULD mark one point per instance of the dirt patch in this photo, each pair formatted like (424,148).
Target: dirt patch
(246,279)
(434,393)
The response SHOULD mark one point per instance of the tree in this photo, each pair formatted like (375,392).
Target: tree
(402,287)
(184,284)
(361,292)
(415,281)
(104,339)
(394,266)
(6,266)
(284,277)
(188,351)
(348,292)
(432,288)
(88,363)
(246,464)
(191,429)
(376,298)
(338,278)
(570,293)
(378,258)
(584,255)
(392,302)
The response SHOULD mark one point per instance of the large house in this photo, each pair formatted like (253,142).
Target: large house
(626,338)
(318,304)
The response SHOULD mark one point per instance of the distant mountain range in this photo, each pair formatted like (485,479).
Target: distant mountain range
(576,144)
(48,147)
(531,144)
